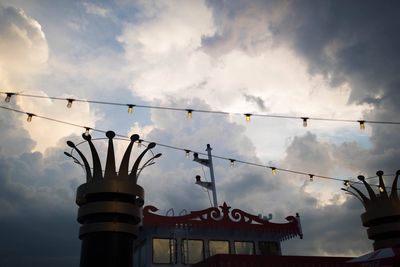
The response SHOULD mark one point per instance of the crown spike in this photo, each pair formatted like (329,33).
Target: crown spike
(393,194)
(97,171)
(364,198)
(382,188)
(355,195)
(123,168)
(85,162)
(110,162)
(371,192)
(133,174)
(148,163)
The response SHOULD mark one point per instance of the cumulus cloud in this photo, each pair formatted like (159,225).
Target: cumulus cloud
(274,80)
(48,134)
(94,9)
(23,39)
(259,56)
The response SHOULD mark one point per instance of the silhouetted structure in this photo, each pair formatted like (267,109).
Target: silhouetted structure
(382,212)
(109,206)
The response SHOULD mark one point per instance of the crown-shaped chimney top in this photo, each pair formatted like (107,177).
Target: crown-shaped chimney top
(374,199)
(110,170)
(382,211)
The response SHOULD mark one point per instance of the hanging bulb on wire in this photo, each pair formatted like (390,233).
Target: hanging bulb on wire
(381,189)
(274,171)
(304,121)
(189,113)
(311,177)
(8,97)
(139,143)
(29,118)
(362,125)
(69,104)
(232,162)
(130,108)
(346,183)
(87,131)
(187,153)
(248,117)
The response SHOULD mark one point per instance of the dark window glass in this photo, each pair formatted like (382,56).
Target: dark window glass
(164,250)
(244,247)
(218,247)
(268,248)
(192,251)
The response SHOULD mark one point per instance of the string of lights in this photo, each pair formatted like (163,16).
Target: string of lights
(190,111)
(232,162)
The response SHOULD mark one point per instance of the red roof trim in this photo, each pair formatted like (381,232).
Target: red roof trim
(223,218)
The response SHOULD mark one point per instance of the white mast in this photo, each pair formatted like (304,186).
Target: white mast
(208,185)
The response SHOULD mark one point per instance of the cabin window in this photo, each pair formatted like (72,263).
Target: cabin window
(244,247)
(164,250)
(268,248)
(139,255)
(192,251)
(218,247)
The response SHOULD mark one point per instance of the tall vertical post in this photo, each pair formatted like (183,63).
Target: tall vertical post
(109,206)
(210,165)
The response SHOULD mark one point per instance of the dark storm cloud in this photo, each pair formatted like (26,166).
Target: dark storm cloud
(327,226)
(334,230)
(347,41)
(257,100)
(354,42)
(307,153)
(37,213)
(240,25)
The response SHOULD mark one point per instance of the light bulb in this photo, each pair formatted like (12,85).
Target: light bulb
(381,189)
(346,183)
(187,152)
(362,125)
(247,115)
(311,177)
(130,109)
(87,129)
(274,170)
(8,97)
(232,162)
(304,121)
(189,113)
(69,104)
(139,143)
(29,119)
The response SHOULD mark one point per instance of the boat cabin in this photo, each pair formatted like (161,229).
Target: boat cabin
(192,238)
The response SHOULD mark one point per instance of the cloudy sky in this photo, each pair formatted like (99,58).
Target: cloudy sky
(329,59)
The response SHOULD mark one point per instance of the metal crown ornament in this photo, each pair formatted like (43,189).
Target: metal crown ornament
(110,205)
(382,212)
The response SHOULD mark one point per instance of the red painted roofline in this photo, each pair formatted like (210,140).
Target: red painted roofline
(224,217)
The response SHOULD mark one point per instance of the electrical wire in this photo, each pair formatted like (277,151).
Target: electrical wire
(189,111)
(273,168)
